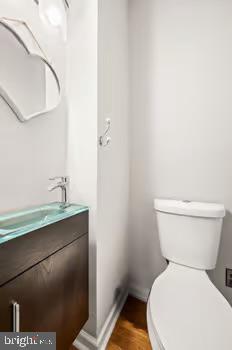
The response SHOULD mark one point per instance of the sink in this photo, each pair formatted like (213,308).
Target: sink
(28,218)
(21,222)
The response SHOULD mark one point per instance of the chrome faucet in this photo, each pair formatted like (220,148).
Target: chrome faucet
(62,182)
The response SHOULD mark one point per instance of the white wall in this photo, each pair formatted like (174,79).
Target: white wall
(32,152)
(181,81)
(113,161)
(97,88)
(82,123)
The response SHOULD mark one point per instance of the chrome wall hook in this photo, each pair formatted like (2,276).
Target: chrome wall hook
(105,140)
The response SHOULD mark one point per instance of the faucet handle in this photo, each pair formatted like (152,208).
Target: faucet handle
(66,179)
(55,178)
(61,178)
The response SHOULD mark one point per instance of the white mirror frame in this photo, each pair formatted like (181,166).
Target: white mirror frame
(5,22)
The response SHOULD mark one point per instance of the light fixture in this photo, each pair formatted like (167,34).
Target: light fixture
(53,12)
(66,2)
(54,15)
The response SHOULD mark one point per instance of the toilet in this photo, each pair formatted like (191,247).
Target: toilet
(185,311)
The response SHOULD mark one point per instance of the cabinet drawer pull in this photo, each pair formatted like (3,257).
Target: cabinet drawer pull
(16,317)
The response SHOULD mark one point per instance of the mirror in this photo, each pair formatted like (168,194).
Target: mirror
(28,82)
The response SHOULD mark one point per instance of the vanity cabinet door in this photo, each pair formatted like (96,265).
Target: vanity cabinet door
(53,295)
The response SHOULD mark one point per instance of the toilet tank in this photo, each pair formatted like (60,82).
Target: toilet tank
(190,232)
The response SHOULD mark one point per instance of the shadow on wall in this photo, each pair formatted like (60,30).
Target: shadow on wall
(224,258)
(146,261)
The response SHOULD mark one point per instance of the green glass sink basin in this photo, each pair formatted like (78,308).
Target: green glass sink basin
(18,223)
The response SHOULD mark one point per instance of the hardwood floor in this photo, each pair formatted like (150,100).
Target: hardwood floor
(130,332)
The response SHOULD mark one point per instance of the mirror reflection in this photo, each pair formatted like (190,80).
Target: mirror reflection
(28,82)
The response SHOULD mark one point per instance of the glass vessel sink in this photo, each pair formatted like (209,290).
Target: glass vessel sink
(18,223)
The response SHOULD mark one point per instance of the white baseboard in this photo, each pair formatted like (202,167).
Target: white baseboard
(79,345)
(139,293)
(86,341)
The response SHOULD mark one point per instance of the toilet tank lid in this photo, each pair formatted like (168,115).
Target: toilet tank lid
(188,208)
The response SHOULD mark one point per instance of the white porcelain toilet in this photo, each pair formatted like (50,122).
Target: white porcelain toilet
(185,310)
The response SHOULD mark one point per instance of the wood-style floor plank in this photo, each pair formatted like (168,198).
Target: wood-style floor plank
(130,332)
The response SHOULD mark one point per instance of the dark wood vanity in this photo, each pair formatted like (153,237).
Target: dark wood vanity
(46,273)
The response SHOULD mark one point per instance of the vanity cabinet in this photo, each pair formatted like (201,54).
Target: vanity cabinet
(52,293)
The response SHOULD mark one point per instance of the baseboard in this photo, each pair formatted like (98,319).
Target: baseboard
(111,320)
(86,341)
(139,293)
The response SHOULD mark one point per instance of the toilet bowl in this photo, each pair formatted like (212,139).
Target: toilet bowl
(185,310)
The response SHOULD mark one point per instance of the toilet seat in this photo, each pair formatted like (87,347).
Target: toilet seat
(153,335)
(187,312)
